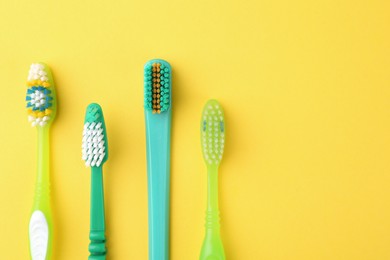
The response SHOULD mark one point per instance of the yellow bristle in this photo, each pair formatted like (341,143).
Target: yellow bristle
(47,111)
(46,84)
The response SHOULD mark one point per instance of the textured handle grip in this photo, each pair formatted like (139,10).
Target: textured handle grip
(212,248)
(212,221)
(97,246)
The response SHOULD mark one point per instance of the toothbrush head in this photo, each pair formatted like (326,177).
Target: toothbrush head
(94,146)
(41,96)
(157,86)
(212,132)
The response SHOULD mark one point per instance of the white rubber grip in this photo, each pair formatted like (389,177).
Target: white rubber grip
(39,235)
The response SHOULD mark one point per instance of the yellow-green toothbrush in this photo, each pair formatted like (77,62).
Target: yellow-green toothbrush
(212,129)
(41,107)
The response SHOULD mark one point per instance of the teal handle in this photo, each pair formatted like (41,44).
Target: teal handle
(97,246)
(212,248)
(158,129)
(42,201)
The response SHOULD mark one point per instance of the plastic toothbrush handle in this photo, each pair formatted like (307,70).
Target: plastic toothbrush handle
(158,164)
(97,246)
(40,225)
(212,248)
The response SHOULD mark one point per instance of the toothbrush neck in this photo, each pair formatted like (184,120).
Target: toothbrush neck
(43,178)
(212,194)
(97,200)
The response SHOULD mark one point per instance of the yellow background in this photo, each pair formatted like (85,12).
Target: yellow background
(305,88)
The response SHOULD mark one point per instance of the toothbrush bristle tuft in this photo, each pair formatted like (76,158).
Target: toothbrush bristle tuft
(213,132)
(94,145)
(157,87)
(39,96)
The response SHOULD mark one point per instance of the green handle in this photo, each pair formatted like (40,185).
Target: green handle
(41,225)
(97,246)
(212,248)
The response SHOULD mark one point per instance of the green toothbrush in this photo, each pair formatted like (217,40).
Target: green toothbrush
(41,108)
(213,140)
(95,154)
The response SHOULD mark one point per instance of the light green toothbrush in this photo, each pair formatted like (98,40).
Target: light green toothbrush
(41,108)
(213,140)
(95,154)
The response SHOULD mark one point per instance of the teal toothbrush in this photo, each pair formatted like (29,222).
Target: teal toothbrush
(41,108)
(95,154)
(212,130)
(157,103)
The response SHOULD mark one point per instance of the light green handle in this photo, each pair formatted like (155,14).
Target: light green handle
(41,225)
(97,246)
(212,248)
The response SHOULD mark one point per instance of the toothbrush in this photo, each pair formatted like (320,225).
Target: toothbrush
(95,154)
(41,109)
(158,110)
(213,141)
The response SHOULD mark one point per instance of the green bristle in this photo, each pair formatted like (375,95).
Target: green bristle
(157,86)
(212,132)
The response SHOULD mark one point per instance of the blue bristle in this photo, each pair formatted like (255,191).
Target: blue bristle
(42,108)
(30,91)
(41,88)
(46,91)
(34,108)
(28,98)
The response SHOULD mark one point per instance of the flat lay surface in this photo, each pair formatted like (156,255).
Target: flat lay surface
(305,89)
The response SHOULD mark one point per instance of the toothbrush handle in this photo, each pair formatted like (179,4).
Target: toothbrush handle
(97,246)
(40,225)
(158,164)
(212,248)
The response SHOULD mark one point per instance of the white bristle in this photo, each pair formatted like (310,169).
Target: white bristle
(93,148)
(37,72)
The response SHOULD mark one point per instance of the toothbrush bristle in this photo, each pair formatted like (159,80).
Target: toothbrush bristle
(40,96)
(157,77)
(94,145)
(213,132)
